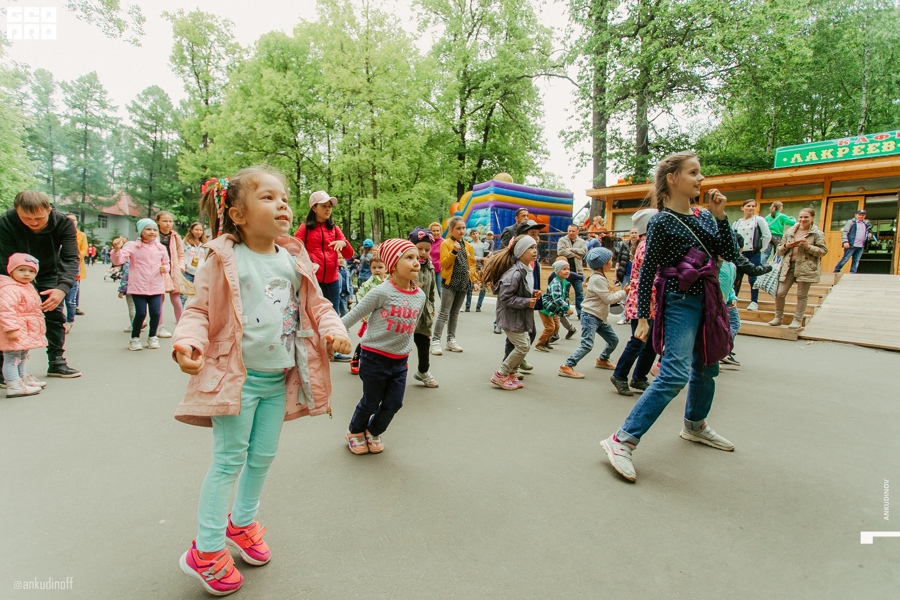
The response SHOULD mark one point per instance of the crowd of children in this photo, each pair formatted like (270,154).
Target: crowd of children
(262,323)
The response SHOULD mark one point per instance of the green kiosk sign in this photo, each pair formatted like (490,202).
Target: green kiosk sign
(851,148)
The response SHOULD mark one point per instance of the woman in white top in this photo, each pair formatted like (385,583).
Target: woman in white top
(194,255)
(757,236)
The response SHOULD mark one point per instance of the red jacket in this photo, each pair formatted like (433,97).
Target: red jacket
(324,256)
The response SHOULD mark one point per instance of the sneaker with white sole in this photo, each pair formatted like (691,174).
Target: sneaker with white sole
(153,343)
(216,572)
(357,443)
(375,443)
(525,365)
(753,306)
(505,383)
(426,378)
(436,349)
(452,346)
(731,359)
(619,455)
(567,371)
(707,436)
(135,344)
(34,381)
(163,332)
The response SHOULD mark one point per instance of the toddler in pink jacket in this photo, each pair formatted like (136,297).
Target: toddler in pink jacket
(22,322)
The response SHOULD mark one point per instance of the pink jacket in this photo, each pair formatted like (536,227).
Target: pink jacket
(176,261)
(144,278)
(212,323)
(20,309)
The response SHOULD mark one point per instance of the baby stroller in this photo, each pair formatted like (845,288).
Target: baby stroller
(113,274)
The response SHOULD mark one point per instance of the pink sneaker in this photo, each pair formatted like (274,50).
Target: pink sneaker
(374,442)
(217,574)
(249,540)
(513,378)
(505,383)
(357,443)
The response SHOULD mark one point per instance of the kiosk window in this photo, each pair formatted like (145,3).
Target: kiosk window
(865,185)
(841,212)
(788,191)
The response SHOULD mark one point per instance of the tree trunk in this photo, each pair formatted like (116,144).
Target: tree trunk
(641,139)
(864,92)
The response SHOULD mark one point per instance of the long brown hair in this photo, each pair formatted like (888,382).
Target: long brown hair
(191,239)
(499,263)
(670,164)
(219,195)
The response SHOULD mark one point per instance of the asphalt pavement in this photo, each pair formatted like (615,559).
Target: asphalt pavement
(480,493)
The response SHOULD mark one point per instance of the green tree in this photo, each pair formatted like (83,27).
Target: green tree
(15,168)
(203,54)
(486,60)
(44,132)
(154,147)
(88,119)
(112,17)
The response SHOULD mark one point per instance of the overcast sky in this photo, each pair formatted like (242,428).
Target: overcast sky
(125,70)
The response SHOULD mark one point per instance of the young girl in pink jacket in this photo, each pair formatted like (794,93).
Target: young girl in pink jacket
(22,324)
(256,339)
(148,264)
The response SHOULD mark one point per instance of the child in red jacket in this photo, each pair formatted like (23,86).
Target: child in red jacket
(22,322)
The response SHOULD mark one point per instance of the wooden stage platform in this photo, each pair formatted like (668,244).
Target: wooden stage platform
(860,309)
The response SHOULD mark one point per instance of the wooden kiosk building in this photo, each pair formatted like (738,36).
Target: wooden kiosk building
(836,190)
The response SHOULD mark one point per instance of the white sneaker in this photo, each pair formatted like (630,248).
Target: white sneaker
(452,346)
(753,306)
(135,344)
(707,436)
(32,381)
(621,322)
(153,343)
(436,348)
(163,332)
(619,455)
(427,378)
(17,388)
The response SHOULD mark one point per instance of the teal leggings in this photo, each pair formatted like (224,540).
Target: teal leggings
(244,447)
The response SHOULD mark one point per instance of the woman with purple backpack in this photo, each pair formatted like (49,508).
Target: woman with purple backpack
(690,311)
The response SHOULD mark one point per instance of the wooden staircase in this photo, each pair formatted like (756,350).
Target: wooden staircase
(756,322)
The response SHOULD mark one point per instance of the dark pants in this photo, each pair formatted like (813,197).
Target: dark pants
(384,383)
(508,347)
(754,256)
(423,343)
(332,293)
(141,304)
(636,351)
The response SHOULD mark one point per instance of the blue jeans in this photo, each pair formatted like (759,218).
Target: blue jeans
(244,446)
(856,253)
(384,383)
(755,257)
(636,351)
(332,293)
(768,250)
(72,301)
(438,283)
(579,296)
(141,304)
(734,320)
(589,326)
(682,364)
(480,298)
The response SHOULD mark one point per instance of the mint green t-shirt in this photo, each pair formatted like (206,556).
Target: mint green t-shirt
(269,287)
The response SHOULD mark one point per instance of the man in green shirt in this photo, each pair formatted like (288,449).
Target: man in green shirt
(777,221)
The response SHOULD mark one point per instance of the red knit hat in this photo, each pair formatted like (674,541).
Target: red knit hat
(391,250)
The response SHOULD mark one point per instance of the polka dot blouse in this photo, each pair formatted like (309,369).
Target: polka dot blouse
(668,240)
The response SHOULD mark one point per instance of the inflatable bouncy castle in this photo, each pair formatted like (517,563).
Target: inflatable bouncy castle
(491,206)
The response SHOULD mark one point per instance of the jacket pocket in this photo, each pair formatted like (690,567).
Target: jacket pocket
(216,366)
